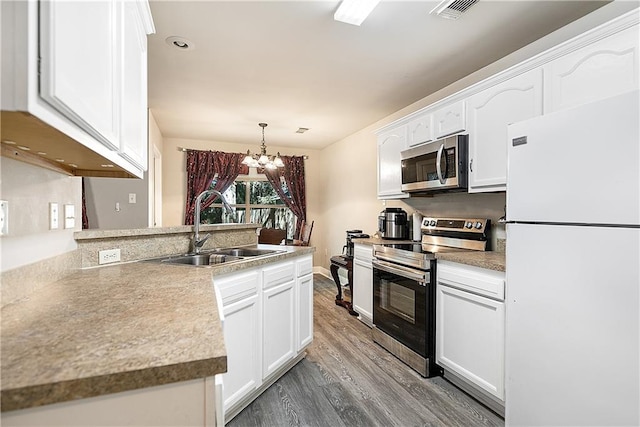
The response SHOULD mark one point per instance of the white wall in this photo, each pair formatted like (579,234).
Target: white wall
(29,190)
(102,194)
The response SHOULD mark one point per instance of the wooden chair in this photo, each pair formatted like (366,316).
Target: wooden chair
(305,234)
(272,236)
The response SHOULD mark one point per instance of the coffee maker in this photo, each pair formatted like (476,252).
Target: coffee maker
(349,246)
(393,224)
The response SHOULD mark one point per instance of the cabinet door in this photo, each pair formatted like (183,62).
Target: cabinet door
(78,75)
(304,315)
(449,120)
(390,144)
(470,338)
(278,327)
(605,68)
(363,290)
(133,135)
(242,340)
(490,111)
(420,130)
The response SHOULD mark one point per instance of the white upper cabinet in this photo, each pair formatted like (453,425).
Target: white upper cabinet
(390,144)
(79,69)
(449,119)
(602,69)
(79,65)
(420,130)
(490,111)
(133,136)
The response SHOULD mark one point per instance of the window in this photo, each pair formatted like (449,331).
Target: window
(254,201)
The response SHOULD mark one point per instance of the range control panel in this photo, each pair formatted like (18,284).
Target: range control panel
(470,225)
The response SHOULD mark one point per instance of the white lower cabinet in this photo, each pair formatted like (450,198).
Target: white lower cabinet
(470,329)
(241,308)
(267,324)
(278,326)
(305,311)
(363,282)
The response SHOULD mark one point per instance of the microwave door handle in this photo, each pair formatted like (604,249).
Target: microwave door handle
(438,168)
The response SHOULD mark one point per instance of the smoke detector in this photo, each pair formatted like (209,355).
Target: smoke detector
(452,9)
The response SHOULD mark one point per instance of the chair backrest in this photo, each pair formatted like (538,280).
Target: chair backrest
(272,236)
(305,234)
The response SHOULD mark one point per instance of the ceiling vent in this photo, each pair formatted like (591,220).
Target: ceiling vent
(452,9)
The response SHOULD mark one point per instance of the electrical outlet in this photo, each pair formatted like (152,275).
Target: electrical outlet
(109,255)
(69,216)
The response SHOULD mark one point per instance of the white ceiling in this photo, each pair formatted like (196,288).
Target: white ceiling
(289,64)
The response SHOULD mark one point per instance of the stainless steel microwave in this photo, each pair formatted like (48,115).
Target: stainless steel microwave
(437,166)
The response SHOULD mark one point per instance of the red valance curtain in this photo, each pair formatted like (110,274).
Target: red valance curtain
(293,176)
(202,167)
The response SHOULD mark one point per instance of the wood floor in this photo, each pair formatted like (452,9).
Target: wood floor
(348,380)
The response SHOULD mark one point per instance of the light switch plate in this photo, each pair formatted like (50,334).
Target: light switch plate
(69,216)
(132,197)
(53,216)
(4,217)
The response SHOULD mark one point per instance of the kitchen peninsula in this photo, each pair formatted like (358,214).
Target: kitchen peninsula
(105,344)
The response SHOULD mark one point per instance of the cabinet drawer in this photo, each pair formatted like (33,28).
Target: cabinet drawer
(278,274)
(363,253)
(236,287)
(479,281)
(304,266)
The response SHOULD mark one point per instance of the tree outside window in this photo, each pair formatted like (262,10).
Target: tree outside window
(254,201)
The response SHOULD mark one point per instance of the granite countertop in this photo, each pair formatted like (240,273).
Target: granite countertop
(115,328)
(490,260)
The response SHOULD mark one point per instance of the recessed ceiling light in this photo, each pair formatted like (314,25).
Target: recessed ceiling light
(60,160)
(22,147)
(107,166)
(354,12)
(6,141)
(42,153)
(73,165)
(302,130)
(180,43)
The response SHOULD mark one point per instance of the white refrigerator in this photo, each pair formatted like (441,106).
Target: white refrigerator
(573,267)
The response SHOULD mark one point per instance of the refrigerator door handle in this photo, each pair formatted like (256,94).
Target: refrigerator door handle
(438,168)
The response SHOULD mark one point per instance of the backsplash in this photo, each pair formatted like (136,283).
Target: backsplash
(135,244)
(464,205)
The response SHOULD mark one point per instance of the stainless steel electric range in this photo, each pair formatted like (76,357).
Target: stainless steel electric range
(404,282)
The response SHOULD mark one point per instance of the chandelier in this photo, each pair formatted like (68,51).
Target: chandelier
(263,160)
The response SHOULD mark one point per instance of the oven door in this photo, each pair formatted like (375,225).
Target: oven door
(400,304)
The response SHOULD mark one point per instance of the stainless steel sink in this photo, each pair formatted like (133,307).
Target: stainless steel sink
(245,252)
(218,256)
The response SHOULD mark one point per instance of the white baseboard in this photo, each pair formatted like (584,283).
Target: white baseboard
(323,271)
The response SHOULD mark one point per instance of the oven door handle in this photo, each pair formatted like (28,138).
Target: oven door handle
(409,273)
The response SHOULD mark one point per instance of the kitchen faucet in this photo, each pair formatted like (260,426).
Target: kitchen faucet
(197,241)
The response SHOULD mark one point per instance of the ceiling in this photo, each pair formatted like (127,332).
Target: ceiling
(289,64)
